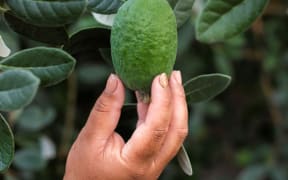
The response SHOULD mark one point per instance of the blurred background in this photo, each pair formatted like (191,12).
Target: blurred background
(241,134)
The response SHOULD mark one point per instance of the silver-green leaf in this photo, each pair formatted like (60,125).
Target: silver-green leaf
(253,172)
(50,35)
(48,13)
(17,89)
(182,11)
(51,65)
(184,161)
(104,6)
(29,159)
(6,144)
(84,45)
(172,3)
(224,19)
(205,87)
(35,118)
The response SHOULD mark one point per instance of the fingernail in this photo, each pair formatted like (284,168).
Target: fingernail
(111,85)
(163,80)
(177,76)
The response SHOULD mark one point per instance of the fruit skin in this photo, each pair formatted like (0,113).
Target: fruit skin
(143,42)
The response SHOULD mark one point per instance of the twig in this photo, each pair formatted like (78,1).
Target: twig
(268,93)
(68,129)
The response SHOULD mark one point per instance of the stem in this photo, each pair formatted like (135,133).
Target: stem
(144,97)
(69,116)
(268,93)
(276,116)
(12,116)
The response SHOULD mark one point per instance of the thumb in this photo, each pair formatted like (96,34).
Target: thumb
(106,112)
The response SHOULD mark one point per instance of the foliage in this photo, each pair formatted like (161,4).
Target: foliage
(7,144)
(45,97)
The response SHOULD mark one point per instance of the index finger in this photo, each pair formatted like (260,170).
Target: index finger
(148,138)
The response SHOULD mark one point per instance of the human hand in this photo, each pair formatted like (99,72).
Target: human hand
(101,153)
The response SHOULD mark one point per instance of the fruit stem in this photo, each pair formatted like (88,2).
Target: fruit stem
(144,97)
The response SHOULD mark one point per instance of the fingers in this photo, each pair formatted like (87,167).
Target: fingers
(105,114)
(142,109)
(179,125)
(148,138)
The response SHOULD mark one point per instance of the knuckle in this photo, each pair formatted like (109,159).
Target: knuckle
(166,101)
(101,105)
(164,107)
(181,93)
(162,104)
(159,134)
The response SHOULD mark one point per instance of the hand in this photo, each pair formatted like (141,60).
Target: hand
(100,153)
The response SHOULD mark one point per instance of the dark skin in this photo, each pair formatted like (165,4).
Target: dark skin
(101,153)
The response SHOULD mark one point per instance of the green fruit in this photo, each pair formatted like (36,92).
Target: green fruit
(143,42)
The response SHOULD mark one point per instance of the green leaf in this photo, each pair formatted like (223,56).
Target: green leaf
(104,19)
(51,65)
(48,13)
(253,172)
(35,118)
(29,159)
(17,89)
(4,50)
(205,87)
(172,3)
(182,11)
(106,55)
(184,161)
(6,145)
(223,19)
(50,35)
(104,6)
(85,44)
(85,22)
(186,36)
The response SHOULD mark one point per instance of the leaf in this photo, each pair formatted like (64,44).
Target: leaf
(17,89)
(85,22)
(6,144)
(4,50)
(184,161)
(205,87)
(172,3)
(106,55)
(51,65)
(48,13)
(48,148)
(182,11)
(104,19)
(85,44)
(253,172)
(10,39)
(186,36)
(223,19)
(29,159)
(35,118)
(50,35)
(104,6)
